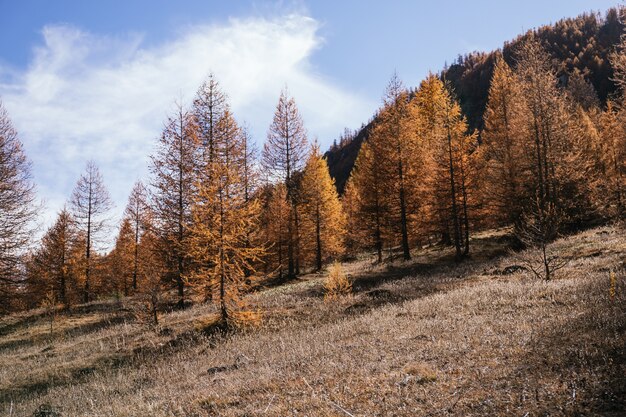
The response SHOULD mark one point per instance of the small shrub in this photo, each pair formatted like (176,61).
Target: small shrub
(337,283)
(49,304)
(538,227)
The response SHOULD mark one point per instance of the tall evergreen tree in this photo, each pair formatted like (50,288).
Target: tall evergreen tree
(612,143)
(250,170)
(457,148)
(135,212)
(394,141)
(17,208)
(250,179)
(123,260)
(284,155)
(557,168)
(209,106)
(90,206)
(501,148)
(174,169)
(54,259)
(275,215)
(355,234)
(372,198)
(447,148)
(618,59)
(151,269)
(222,221)
(323,221)
(386,176)
(433,213)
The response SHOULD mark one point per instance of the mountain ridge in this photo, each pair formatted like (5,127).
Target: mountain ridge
(580,43)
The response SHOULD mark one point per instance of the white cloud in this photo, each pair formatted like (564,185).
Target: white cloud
(105,98)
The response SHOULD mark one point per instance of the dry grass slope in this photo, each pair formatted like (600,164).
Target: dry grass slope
(423,338)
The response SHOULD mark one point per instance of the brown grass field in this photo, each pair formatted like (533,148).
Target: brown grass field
(424,338)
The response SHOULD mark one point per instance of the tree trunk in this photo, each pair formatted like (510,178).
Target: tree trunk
(455,214)
(291,274)
(546,263)
(296,239)
(153,305)
(378,234)
(465,214)
(405,234)
(63,283)
(87,257)
(280,259)
(179,276)
(223,309)
(318,237)
(619,179)
(136,256)
(180,284)
(539,164)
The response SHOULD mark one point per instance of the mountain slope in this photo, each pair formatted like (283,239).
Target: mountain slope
(429,337)
(583,43)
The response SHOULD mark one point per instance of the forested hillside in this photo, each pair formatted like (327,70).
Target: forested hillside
(472,265)
(216,216)
(576,45)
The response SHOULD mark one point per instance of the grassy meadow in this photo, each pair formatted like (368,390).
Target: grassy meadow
(427,337)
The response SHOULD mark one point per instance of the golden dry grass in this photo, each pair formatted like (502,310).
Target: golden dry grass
(422,338)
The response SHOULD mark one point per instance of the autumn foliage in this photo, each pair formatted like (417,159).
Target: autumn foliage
(215,219)
(323,221)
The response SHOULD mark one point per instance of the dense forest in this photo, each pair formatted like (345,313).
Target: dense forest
(579,46)
(533,136)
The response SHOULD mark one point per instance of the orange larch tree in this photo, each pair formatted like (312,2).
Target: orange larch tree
(174,169)
(502,173)
(449,170)
(284,155)
(135,212)
(373,206)
(223,219)
(323,221)
(122,259)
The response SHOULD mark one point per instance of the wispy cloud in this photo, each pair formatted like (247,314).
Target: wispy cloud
(105,98)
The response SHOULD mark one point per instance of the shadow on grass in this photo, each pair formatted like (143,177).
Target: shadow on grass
(573,368)
(587,354)
(72,332)
(70,376)
(209,331)
(6,329)
(76,310)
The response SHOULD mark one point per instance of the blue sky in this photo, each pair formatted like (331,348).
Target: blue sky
(95,79)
